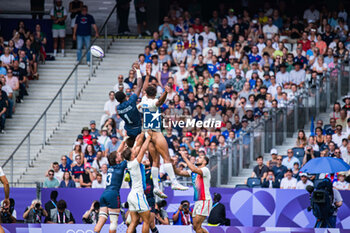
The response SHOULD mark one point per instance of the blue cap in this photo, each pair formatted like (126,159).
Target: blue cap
(80,136)
(92,122)
(114,136)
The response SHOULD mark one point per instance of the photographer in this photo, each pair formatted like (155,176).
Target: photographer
(161,214)
(7,212)
(309,154)
(34,213)
(91,216)
(183,216)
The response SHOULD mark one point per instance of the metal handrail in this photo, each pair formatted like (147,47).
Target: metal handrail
(23,12)
(59,92)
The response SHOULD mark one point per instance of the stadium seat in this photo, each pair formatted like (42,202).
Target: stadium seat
(242,186)
(251,182)
(298,152)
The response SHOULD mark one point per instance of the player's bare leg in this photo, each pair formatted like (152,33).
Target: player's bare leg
(1,229)
(162,148)
(134,222)
(197,224)
(146,221)
(103,216)
(155,170)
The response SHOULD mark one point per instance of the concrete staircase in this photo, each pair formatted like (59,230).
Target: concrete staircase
(282,150)
(118,60)
(41,92)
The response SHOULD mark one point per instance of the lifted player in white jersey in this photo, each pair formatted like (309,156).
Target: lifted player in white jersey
(138,205)
(200,175)
(159,145)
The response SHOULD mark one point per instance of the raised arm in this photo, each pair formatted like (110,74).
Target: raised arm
(162,98)
(136,67)
(143,148)
(178,171)
(5,182)
(192,167)
(148,75)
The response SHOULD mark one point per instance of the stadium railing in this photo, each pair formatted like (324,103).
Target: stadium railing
(283,122)
(56,106)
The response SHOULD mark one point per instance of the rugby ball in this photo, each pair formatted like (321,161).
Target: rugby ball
(96,51)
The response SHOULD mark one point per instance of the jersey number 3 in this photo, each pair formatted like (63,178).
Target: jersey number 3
(109,179)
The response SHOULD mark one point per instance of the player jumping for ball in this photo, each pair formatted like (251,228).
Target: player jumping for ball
(159,145)
(137,200)
(110,198)
(200,175)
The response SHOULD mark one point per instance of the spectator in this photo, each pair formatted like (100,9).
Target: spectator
(288,182)
(273,162)
(123,8)
(99,161)
(113,145)
(91,216)
(161,216)
(93,129)
(279,170)
(309,154)
(86,177)
(342,120)
(269,29)
(341,184)
(217,214)
(77,150)
(260,170)
(109,107)
(59,15)
(51,181)
(303,182)
(75,7)
(98,183)
(338,136)
(82,32)
(290,160)
(270,181)
(58,173)
(51,204)
(3,108)
(166,30)
(183,216)
(34,212)
(67,181)
(64,166)
(61,214)
(77,170)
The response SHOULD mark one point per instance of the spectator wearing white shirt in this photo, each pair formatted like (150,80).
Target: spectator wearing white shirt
(58,173)
(109,107)
(303,182)
(261,44)
(254,70)
(338,136)
(282,76)
(211,46)
(311,14)
(231,18)
(99,161)
(297,76)
(98,183)
(269,29)
(288,182)
(119,82)
(341,184)
(207,35)
(290,160)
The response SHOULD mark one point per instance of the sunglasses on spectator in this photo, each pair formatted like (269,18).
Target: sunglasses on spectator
(279,159)
(339,128)
(290,152)
(50,174)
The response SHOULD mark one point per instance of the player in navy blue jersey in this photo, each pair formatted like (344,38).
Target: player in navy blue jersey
(110,199)
(127,108)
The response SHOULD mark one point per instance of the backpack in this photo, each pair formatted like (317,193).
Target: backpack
(322,200)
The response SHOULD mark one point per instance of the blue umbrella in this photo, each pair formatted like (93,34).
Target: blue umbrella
(325,165)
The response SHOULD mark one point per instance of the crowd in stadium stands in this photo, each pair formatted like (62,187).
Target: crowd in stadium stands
(233,69)
(19,58)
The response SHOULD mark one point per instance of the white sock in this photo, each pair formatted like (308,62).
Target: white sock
(55,52)
(168,167)
(155,174)
(62,51)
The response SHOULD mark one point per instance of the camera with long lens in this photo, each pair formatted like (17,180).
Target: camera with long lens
(185,206)
(37,206)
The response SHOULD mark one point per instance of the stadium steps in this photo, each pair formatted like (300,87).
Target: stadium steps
(88,107)
(52,75)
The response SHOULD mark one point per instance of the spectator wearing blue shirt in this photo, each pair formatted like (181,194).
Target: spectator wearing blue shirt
(254,55)
(183,216)
(226,133)
(93,130)
(113,145)
(290,160)
(77,170)
(82,32)
(156,39)
(65,166)
(166,30)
